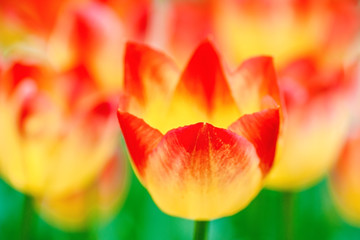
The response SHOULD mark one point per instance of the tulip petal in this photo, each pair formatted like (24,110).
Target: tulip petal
(140,139)
(150,78)
(253,84)
(262,130)
(203,93)
(202,172)
(91,34)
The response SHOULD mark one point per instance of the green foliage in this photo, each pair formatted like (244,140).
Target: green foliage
(314,217)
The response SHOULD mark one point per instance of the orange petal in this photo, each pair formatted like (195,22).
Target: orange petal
(202,172)
(262,130)
(140,139)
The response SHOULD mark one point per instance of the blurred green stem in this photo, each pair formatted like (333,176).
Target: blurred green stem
(288,210)
(27,218)
(200,230)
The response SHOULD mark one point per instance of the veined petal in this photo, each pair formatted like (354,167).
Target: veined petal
(203,93)
(140,139)
(262,130)
(202,172)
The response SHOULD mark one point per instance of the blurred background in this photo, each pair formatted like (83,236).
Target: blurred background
(314,217)
(64,169)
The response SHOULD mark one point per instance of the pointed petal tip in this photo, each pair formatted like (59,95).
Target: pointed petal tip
(140,139)
(206,47)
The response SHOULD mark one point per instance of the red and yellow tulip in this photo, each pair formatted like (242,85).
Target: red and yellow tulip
(318,114)
(345,181)
(203,140)
(57,128)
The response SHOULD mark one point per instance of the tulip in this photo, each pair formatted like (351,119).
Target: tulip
(345,182)
(57,128)
(203,140)
(82,32)
(92,35)
(318,113)
(93,205)
(288,29)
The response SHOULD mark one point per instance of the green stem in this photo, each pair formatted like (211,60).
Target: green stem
(27,218)
(288,204)
(200,230)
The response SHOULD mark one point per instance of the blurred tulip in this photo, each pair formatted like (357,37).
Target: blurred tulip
(284,29)
(345,181)
(287,29)
(58,129)
(135,14)
(318,114)
(90,34)
(179,26)
(87,32)
(93,205)
(33,16)
(191,168)
(40,17)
